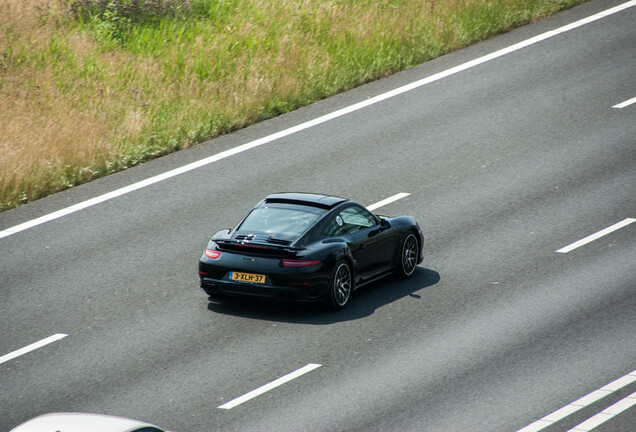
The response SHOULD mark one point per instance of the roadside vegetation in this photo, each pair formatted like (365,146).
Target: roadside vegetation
(90,87)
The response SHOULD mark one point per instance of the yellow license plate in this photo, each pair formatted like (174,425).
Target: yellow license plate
(247,277)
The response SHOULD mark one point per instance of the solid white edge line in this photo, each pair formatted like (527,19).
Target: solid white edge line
(317,121)
(596,236)
(626,103)
(267,387)
(389,200)
(5,358)
(581,403)
(606,414)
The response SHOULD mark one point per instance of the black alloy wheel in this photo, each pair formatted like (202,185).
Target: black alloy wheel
(409,253)
(341,286)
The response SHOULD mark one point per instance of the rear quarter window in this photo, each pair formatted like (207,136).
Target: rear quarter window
(335,227)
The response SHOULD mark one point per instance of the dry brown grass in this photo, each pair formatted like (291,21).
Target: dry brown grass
(73,108)
(55,129)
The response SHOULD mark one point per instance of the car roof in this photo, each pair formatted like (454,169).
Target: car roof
(314,200)
(81,422)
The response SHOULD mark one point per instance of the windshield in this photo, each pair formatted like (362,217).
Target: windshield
(278,222)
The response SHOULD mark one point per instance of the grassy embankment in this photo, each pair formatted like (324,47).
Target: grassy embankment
(88,93)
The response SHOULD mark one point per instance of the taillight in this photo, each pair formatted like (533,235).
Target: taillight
(299,263)
(214,254)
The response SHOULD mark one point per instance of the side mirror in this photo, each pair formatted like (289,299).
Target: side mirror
(384,225)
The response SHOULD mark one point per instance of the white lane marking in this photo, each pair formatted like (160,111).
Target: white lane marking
(597,235)
(267,387)
(317,121)
(581,403)
(606,414)
(32,347)
(387,201)
(626,103)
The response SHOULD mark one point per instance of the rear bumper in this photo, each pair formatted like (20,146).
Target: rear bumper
(308,292)
(284,283)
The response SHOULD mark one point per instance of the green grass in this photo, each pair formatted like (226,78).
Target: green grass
(93,91)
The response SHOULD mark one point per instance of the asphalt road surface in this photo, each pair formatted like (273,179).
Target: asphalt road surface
(506,161)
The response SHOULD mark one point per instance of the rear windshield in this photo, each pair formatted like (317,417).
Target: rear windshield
(279,222)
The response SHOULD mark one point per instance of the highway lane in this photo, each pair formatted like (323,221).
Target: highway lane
(505,164)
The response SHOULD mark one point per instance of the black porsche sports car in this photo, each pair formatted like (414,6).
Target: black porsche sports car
(302,246)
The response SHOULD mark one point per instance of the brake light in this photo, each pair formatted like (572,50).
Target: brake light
(214,254)
(251,246)
(299,263)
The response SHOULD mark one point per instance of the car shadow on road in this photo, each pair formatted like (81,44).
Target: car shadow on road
(364,302)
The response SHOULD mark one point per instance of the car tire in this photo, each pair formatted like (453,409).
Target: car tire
(340,286)
(408,255)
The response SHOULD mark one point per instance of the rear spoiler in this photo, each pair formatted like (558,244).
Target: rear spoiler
(268,249)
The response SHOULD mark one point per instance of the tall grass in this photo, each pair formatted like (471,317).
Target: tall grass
(87,89)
